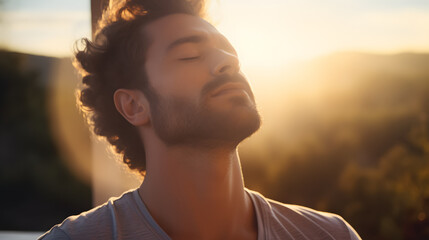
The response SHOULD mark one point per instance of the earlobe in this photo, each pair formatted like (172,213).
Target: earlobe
(132,105)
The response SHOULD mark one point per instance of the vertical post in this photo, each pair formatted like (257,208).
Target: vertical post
(109,177)
(97,7)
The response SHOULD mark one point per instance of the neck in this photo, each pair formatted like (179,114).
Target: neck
(198,193)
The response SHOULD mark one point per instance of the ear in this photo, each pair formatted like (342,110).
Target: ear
(132,105)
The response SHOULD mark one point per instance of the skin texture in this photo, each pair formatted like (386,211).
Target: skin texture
(204,108)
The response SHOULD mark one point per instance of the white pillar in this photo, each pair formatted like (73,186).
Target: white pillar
(110,177)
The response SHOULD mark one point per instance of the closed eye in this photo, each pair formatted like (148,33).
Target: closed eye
(189,58)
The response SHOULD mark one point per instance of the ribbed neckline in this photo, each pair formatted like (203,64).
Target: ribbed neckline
(259,213)
(149,217)
(253,195)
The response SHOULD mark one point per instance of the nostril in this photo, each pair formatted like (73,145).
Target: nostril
(224,69)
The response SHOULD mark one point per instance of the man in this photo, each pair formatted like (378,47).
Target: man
(165,88)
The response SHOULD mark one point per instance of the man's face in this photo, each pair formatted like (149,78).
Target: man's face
(201,96)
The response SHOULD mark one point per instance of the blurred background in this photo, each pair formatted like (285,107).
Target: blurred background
(343,88)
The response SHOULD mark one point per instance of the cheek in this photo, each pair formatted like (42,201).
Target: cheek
(182,80)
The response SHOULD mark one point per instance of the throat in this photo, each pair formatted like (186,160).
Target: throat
(199,199)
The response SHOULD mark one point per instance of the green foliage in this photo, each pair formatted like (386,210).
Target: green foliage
(32,174)
(361,149)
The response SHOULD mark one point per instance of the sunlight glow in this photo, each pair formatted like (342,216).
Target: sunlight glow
(265,33)
(275,33)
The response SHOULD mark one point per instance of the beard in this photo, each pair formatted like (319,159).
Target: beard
(179,121)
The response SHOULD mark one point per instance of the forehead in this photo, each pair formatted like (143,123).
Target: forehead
(163,31)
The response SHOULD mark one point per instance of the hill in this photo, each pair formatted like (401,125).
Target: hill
(350,137)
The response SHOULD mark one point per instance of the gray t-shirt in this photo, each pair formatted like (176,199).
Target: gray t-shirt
(127,217)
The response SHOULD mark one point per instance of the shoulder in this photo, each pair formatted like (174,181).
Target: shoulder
(302,220)
(55,233)
(332,223)
(325,219)
(98,222)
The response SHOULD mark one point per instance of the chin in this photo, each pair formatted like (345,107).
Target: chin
(213,125)
(236,126)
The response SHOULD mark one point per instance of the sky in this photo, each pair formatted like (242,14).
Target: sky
(265,33)
(44,27)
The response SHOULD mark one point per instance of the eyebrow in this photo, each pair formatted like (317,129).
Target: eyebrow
(188,39)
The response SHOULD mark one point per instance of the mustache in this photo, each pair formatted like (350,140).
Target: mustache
(223,79)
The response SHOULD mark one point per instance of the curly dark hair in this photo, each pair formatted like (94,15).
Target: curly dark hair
(114,60)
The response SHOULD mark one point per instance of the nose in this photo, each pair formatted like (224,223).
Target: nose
(225,63)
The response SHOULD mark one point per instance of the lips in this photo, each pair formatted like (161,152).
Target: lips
(230,88)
